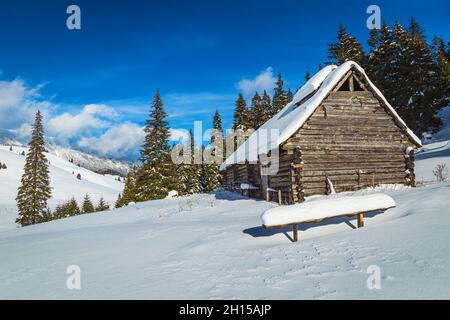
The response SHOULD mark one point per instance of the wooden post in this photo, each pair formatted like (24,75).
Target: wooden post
(279,197)
(350,83)
(360,220)
(267,195)
(295,232)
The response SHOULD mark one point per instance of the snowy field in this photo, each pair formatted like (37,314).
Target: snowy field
(212,247)
(64,183)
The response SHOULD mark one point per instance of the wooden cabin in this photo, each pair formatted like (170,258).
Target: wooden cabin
(339,133)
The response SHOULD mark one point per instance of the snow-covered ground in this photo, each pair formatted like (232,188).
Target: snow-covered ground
(64,183)
(212,246)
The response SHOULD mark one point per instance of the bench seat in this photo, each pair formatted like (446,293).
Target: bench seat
(318,210)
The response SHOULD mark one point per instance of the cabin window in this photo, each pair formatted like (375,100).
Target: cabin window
(345,86)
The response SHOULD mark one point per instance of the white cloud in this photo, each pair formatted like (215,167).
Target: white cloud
(121,141)
(24,131)
(265,80)
(91,118)
(19,102)
(178,134)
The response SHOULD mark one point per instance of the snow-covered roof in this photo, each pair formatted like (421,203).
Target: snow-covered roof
(292,117)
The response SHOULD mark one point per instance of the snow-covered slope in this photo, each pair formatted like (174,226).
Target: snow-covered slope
(63,181)
(90,162)
(435,151)
(212,246)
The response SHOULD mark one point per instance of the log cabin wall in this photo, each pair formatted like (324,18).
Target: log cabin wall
(283,179)
(352,140)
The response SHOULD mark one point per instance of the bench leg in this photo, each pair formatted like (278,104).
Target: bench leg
(360,220)
(295,232)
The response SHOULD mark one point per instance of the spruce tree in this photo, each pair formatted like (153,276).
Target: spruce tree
(241,117)
(290,95)
(67,209)
(257,111)
(440,58)
(87,206)
(217,125)
(307,76)
(72,207)
(129,191)
(211,177)
(280,96)
(346,48)
(118,203)
(417,94)
(35,190)
(383,64)
(189,173)
(266,105)
(158,175)
(102,205)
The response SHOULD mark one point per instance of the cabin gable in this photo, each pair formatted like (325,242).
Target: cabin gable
(352,141)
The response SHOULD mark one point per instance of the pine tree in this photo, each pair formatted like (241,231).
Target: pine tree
(118,203)
(307,76)
(72,207)
(87,206)
(266,105)
(210,174)
(67,209)
(383,64)
(420,99)
(440,58)
(217,125)
(280,97)
(346,48)
(189,173)
(35,190)
(241,117)
(157,131)
(158,174)
(257,111)
(290,95)
(102,205)
(129,191)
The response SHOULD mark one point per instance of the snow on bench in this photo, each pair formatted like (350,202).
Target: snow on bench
(318,210)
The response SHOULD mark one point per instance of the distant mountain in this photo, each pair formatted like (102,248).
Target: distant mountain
(90,162)
(8,138)
(79,158)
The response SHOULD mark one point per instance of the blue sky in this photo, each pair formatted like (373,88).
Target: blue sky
(95,84)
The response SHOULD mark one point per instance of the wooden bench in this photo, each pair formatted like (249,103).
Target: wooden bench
(294,213)
(359,215)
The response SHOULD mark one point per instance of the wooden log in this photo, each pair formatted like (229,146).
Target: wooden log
(353,177)
(347,94)
(345,171)
(354,166)
(325,158)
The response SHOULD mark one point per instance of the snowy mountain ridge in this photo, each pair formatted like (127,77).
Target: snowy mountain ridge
(91,162)
(80,158)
